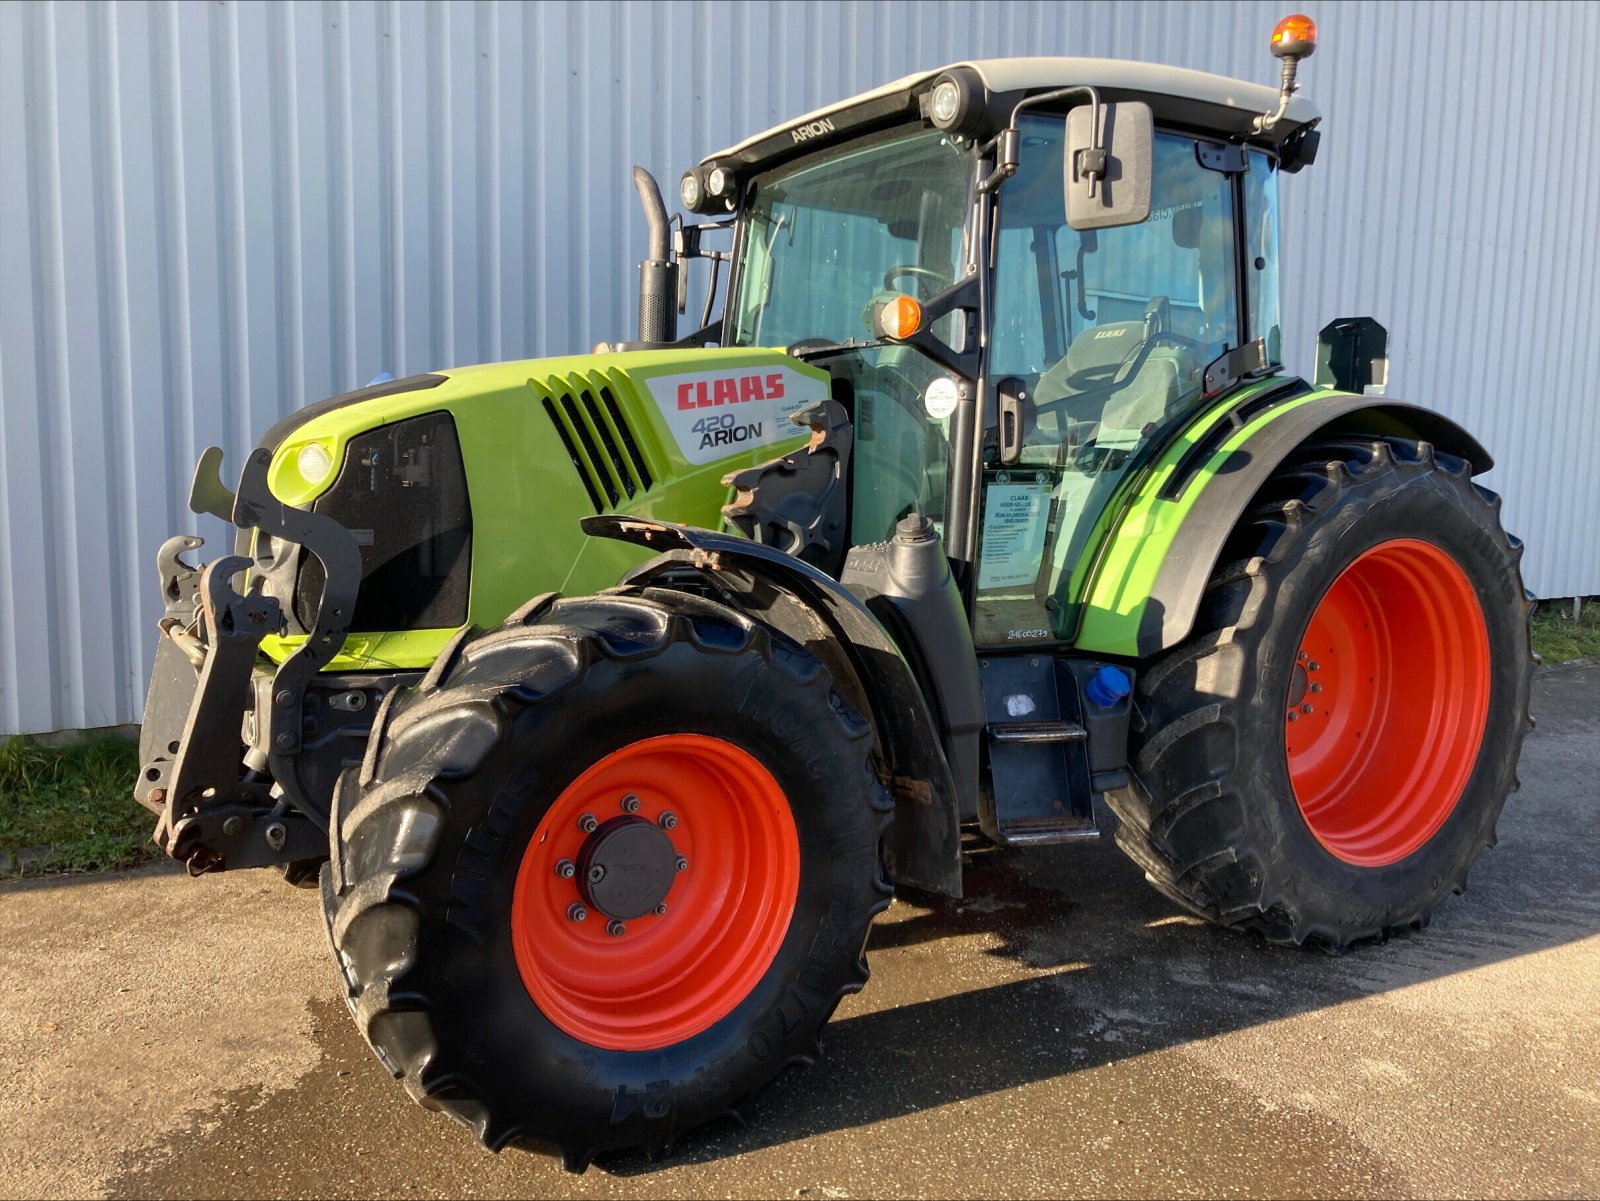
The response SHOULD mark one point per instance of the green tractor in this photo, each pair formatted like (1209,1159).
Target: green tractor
(608,697)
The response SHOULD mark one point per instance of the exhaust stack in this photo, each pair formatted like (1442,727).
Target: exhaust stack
(658,273)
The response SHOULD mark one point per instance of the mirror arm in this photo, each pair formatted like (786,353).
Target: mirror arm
(711,288)
(1007,153)
(686,238)
(1008,143)
(686,246)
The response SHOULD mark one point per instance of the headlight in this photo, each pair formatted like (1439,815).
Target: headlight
(689,191)
(955,103)
(946,103)
(314,462)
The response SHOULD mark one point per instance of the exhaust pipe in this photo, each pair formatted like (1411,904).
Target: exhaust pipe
(658,273)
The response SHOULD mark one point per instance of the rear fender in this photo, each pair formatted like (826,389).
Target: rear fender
(923,849)
(1145,595)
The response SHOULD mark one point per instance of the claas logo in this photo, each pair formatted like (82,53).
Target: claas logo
(729,390)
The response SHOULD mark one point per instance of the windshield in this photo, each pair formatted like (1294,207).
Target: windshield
(823,243)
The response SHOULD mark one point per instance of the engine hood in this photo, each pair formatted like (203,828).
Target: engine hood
(541,444)
(655,413)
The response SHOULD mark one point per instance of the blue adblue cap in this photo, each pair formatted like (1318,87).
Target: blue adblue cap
(1108,686)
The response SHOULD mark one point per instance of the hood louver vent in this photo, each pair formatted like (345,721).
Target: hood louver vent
(598,440)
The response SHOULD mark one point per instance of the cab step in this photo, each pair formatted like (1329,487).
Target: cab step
(1038,752)
(1037,731)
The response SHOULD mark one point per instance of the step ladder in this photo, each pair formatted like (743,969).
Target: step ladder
(1040,789)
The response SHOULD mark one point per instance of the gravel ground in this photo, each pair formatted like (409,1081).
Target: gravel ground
(1063,1031)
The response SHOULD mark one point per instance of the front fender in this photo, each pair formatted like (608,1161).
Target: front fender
(924,846)
(1147,589)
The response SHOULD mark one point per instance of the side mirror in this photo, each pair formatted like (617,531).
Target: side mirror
(1109,161)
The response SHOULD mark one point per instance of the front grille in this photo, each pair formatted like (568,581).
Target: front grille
(599,441)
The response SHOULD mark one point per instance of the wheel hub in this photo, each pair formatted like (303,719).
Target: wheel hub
(655,892)
(626,868)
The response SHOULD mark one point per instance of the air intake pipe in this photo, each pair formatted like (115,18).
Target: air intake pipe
(658,273)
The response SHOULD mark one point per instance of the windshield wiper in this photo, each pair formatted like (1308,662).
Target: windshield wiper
(818,348)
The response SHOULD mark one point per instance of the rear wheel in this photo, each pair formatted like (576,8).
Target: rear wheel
(1327,756)
(607,871)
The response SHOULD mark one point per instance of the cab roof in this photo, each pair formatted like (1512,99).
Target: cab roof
(1214,103)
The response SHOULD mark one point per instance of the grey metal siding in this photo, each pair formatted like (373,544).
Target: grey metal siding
(212,213)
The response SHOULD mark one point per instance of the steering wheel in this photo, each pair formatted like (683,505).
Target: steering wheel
(928,273)
(1171,339)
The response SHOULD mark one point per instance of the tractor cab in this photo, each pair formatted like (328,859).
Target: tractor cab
(1023,276)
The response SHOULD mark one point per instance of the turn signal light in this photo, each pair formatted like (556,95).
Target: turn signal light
(1294,37)
(900,318)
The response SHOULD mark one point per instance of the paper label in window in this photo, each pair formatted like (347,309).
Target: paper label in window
(1015,520)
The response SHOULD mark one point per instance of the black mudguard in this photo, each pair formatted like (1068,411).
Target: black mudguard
(1175,599)
(924,846)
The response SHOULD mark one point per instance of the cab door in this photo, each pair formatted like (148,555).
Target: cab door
(1098,345)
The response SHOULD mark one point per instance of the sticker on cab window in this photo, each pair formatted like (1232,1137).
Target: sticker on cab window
(1015,519)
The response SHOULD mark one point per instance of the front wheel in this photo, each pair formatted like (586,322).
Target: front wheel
(1327,755)
(607,871)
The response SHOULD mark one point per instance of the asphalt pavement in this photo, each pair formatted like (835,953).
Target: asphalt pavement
(1065,1030)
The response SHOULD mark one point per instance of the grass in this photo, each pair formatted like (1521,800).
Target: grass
(76,800)
(1558,639)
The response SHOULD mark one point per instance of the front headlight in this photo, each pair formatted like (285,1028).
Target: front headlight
(314,463)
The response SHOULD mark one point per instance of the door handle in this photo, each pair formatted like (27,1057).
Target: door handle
(1013,395)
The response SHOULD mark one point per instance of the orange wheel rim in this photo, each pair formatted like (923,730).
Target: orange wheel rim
(655,892)
(1388,702)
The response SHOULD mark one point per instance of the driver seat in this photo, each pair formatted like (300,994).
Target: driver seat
(1128,392)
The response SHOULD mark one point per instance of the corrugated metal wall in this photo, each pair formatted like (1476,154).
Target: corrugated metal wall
(212,213)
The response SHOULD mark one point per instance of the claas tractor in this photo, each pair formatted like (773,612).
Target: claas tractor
(607,698)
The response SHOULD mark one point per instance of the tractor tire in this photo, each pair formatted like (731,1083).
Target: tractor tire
(1326,756)
(606,871)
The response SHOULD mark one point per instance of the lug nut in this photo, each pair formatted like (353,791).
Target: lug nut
(576,912)
(565,870)
(1313,666)
(1293,716)
(616,929)
(682,864)
(661,910)
(587,823)
(630,804)
(669,821)
(1316,688)
(1302,655)
(596,874)
(1305,709)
